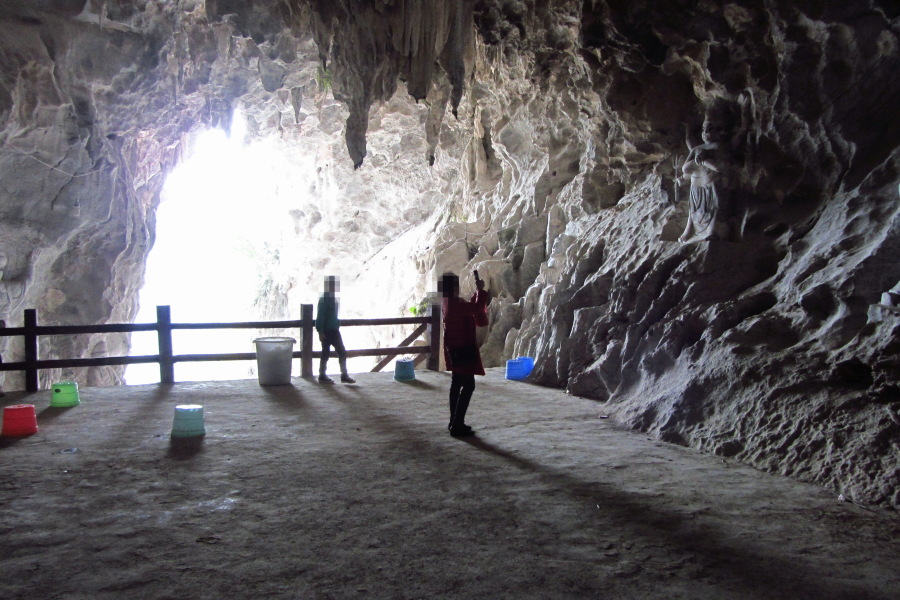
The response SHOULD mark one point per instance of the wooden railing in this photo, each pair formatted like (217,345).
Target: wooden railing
(31,331)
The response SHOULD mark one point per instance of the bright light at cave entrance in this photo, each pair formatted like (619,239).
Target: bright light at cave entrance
(221,215)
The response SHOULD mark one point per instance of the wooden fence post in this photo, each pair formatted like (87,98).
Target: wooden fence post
(31,350)
(164,334)
(434,337)
(306,340)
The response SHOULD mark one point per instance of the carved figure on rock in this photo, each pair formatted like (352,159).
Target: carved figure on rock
(892,296)
(11,295)
(705,167)
(889,304)
(11,292)
(3,380)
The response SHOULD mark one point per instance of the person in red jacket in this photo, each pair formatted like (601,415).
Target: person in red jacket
(461,352)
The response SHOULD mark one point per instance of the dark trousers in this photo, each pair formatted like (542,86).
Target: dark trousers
(461,388)
(332,337)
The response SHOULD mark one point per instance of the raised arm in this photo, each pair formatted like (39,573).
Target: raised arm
(475,305)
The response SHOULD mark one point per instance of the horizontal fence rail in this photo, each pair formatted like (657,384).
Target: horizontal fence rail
(429,325)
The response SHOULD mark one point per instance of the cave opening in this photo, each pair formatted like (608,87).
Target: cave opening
(239,237)
(223,252)
(220,231)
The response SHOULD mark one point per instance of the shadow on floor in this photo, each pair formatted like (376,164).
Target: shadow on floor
(287,398)
(9,442)
(284,393)
(418,383)
(744,564)
(51,413)
(149,404)
(334,389)
(183,448)
(645,518)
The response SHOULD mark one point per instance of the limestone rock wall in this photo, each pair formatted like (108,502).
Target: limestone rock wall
(756,345)
(539,141)
(78,189)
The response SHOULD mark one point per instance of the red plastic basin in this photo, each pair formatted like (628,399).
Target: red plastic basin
(19,420)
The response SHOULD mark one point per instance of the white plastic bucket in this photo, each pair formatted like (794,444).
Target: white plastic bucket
(273,359)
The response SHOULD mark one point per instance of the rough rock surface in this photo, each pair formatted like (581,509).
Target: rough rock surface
(559,179)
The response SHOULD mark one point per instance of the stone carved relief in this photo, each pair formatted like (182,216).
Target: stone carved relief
(892,296)
(888,305)
(707,169)
(11,291)
(701,168)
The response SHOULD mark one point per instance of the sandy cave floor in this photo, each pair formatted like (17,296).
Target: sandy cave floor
(310,491)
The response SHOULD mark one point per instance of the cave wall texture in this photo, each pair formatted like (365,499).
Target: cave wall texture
(539,141)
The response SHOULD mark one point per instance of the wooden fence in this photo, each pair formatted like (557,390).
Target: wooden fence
(429,325)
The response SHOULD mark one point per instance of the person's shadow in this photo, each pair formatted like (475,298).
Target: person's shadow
(662,525)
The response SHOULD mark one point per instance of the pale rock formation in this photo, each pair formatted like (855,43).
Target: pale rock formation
(755,345)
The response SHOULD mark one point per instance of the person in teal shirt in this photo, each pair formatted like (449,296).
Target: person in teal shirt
(329,327)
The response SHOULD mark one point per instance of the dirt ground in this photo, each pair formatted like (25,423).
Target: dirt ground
(310,491)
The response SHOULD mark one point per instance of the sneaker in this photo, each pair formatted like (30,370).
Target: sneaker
(325,379)
(463,426)
(347,379)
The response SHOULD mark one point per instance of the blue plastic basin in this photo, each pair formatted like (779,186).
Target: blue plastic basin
(404,370)
(519,368)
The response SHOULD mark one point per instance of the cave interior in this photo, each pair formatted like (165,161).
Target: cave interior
(686,212)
